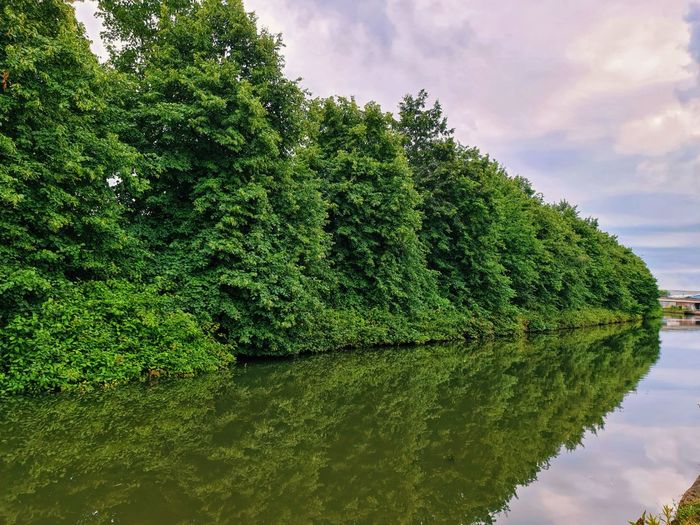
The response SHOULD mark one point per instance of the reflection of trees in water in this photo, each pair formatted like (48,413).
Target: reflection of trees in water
(433,434)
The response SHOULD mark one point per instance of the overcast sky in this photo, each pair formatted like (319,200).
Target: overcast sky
(595,101)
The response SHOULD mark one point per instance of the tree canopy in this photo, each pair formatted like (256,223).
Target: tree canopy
(59,218)
(190,172)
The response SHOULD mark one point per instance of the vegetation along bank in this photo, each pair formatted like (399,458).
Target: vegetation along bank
(185,202)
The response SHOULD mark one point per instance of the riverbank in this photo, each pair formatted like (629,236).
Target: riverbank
(81,344)
(679,312)
(347,329)
(689,506)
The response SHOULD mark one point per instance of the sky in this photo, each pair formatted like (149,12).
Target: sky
(595,101)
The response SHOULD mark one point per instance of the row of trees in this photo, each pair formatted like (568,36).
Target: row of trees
(189,167)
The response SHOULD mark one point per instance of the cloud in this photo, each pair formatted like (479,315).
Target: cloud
(677,169)
(675,268)
(664,132)
(668,240)
(370,15)
(647,209)
(628,51)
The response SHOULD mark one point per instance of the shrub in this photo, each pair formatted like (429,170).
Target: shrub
(99,333)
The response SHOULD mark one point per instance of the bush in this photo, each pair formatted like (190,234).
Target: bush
(549,319)
(100,333)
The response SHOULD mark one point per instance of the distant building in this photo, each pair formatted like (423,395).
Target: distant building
(683,293)
(689,304)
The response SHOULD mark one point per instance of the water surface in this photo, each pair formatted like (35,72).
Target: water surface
(646,456)
(551,430)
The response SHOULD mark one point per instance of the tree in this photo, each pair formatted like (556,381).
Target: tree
(374,220)
(234,222)
(59,218)
(462,208)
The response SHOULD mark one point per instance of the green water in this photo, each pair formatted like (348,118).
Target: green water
(435,434)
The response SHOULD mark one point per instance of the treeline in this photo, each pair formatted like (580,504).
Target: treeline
(186,202)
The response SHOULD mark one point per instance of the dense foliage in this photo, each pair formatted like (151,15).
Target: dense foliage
(103,333)
(230,220)
(376,256)
(59,219)
(190,169)
(496,243)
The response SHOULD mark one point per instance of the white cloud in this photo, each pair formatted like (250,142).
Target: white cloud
(663,132)
(629,51)
(664,173)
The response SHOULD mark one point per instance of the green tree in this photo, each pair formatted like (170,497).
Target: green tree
(234,222)
(462,208)
(522,248)
(59,218)
(374,217)
(495,242)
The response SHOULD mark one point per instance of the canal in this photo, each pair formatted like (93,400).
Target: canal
(589,426)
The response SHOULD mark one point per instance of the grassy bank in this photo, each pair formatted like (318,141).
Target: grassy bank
(104,334)
(688,514)
(352,329)
(677,311)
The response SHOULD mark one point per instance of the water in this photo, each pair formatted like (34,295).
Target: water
(646,456)
(585,427)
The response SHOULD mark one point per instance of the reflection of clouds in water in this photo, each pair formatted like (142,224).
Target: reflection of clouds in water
(671,444)
(646,456)
(596,484)
(560,507)
(684,341)
(661,406)
(654,488)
